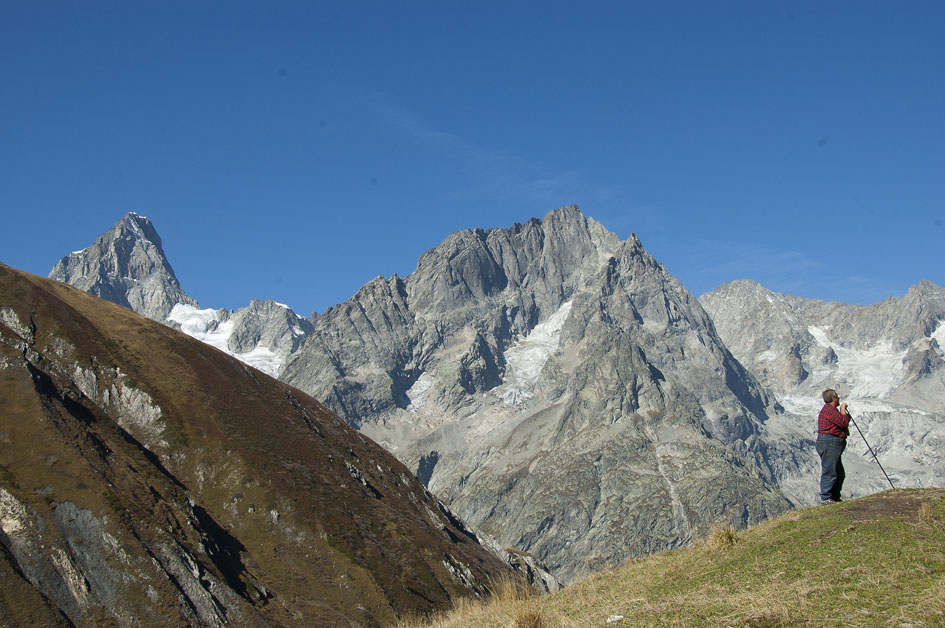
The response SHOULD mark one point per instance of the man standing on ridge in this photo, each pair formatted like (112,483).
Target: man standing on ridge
(832,431)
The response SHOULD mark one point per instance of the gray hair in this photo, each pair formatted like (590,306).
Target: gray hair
(830,394)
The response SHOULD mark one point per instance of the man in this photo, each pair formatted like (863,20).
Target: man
(832,431)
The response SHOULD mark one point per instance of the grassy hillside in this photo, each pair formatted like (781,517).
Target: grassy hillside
(875,561)
(147,479)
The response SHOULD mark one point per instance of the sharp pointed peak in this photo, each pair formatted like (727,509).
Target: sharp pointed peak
(140,226)
(134,219)
(925,285)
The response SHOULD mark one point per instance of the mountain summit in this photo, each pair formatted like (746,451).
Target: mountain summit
(556,386)
(126,265)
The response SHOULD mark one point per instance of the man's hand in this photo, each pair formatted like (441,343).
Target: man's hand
(843,408)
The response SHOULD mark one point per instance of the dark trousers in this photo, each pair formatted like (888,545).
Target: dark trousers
(831,468)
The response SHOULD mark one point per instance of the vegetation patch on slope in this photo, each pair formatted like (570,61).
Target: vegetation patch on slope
(875,561)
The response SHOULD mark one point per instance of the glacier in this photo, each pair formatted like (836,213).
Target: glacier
(206,326)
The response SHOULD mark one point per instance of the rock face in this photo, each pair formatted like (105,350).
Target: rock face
(885,359)
(557,388)
(146,479)
(126,265)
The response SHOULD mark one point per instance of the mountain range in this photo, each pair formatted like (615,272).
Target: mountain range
(885,359)
(558,389)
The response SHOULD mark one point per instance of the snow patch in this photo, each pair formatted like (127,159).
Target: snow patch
(871,372)
(527,357)
(205,326)
(417,393)
(819,335)
(801,405)
(769,355)
(263,359)
(939,336)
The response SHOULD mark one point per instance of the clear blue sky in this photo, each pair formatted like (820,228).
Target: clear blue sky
(295,150)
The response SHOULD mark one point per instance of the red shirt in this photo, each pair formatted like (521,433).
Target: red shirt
(830,421)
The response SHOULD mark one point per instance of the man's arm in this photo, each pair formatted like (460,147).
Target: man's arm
(843,421)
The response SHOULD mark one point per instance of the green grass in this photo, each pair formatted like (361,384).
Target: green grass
(877,561)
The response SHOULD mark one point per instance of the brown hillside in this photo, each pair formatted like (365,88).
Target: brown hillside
(148,479)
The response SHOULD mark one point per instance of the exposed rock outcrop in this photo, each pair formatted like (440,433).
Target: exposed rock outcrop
(557,387)
(126,265)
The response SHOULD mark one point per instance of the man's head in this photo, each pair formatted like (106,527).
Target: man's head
(831,396)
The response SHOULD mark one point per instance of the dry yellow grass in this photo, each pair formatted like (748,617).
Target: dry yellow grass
(722,536)
(528,619)
(887,569)
(513,604)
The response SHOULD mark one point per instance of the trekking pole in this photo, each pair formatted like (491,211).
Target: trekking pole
(872,452)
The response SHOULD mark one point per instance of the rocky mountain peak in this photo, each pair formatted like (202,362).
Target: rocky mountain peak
(520,369)
(140,226)
(742,291)
(926,303)
(126,265)
(927,288)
